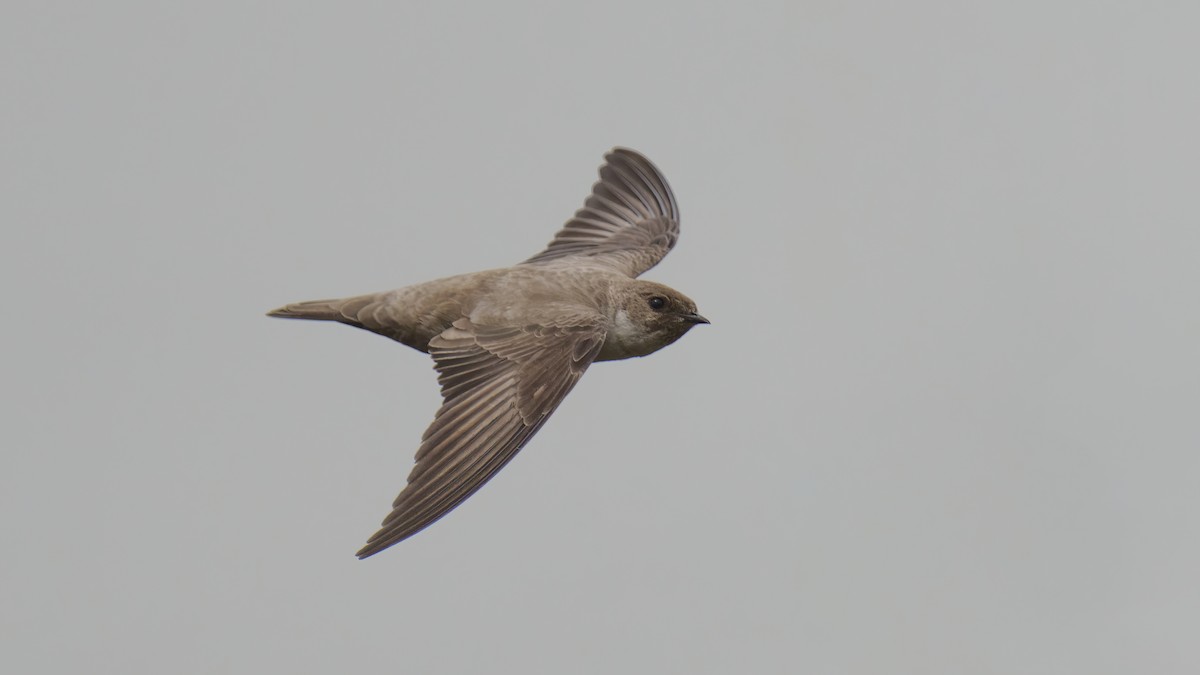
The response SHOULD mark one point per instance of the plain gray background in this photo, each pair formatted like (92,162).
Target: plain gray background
(945,419)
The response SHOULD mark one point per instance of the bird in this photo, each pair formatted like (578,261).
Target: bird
(510,343)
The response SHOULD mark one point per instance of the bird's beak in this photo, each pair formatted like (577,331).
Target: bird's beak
(695,318)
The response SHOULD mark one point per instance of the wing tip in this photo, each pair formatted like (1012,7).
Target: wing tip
(646,174)
(366,552)
(377,544)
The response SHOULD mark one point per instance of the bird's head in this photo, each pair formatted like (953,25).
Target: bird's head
(649,316)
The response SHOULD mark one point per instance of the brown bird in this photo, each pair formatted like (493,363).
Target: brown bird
(510,343)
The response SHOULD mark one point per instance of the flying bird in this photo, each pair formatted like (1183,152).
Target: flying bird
(509,344)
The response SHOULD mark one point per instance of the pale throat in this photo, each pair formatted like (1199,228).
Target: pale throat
(627,338)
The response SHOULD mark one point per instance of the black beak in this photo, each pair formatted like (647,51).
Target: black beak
(694,318)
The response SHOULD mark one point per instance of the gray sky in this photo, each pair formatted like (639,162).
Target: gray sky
(945,419)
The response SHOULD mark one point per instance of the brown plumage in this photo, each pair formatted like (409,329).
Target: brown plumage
(510,343)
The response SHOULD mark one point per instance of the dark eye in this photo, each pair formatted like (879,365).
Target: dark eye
(657,302)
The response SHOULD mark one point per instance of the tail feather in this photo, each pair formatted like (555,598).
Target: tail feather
(315,310)
(370,312)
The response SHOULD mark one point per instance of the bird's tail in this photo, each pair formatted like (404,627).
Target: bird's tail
(380,313)
(315,310)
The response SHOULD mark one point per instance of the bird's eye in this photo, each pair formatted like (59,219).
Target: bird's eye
(657,302)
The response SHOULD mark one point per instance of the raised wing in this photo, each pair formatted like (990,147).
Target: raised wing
(629,222)
(499,386)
